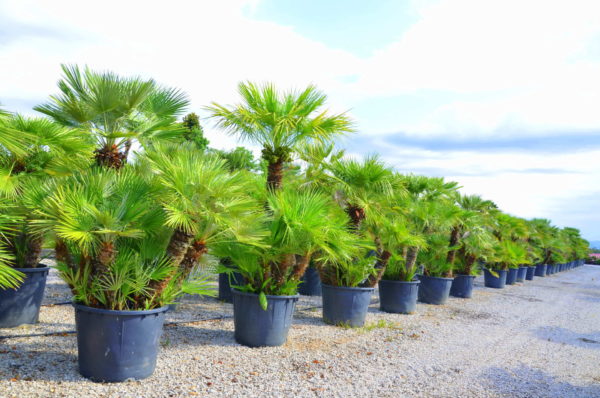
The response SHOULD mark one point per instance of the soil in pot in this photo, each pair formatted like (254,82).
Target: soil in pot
(115,346)
(496,282)
(311,283)
(255,327)
(462,286)
(346,306)
(22,305)
(225,286)
(540,270)
(530,273)
(398,297)
(434,290)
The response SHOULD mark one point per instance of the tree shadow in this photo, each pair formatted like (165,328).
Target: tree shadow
(565,336)
(525,381)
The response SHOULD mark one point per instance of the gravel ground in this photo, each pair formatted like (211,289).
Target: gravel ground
(540,339)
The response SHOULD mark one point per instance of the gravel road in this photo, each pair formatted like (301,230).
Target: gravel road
(538,339)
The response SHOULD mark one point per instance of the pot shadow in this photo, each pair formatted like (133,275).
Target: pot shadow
(525,381)
(18,365)
(565,336)
(182,334)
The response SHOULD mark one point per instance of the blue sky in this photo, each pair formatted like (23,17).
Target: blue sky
(501,96)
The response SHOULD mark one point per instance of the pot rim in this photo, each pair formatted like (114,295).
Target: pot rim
(436,277)
(269,296)
(465,276)
(404,282)
(32,270)
(355,289)
(85,308)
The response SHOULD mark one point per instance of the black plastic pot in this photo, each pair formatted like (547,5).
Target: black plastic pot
(115,346)
(346,306)
(530,273)
(22,305)
(225,287)
(434,290)
(462,286)
(511,276)
(398,297)
(540,270)
(255,327)
(522,271)
(311,283)
(497,282)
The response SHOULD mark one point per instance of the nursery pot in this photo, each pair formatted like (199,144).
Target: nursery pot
(22,305)
(540,270)
(521,274)
(511,276)
(311,283)
(493,281)
(462,286)
(346,306)
(255,327)
(530,273)
(225,286)
(117,345)
(398,297)
(434,290)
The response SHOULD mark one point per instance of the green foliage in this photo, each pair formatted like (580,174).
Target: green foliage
(193,131)
(239,158)
(116,111)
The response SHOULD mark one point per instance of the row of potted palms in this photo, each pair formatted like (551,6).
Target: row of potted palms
(131,201)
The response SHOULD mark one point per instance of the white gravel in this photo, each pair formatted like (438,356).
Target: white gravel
(540,339)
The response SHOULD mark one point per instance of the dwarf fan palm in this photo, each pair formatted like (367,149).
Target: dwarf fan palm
(279,122)
(115,111)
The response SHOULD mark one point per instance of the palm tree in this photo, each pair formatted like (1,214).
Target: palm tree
(132,238)
(51,151)
(303,225)
(279,122)
(474,213)
(364,188)
(116,111)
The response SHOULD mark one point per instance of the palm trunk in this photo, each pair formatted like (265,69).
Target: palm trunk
(470,260)
(104,259)
(380,267)
(357,215)
(110,157)
(300,267)
(33,251)
(411,259)
(62,253)
(192,256)
(275,175)
(453,242)
(177,249)
(281,269)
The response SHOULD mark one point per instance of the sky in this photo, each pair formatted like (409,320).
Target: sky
(500,96)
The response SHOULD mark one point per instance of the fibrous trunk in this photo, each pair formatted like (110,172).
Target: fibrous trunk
(281,269)
(33,252)
(176,250)
(356,214)
(104,259)
(275,175)
(411,259)
(453,242)
(191,258)
(300,267)
(62,253)
(109,156)
(380,266)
